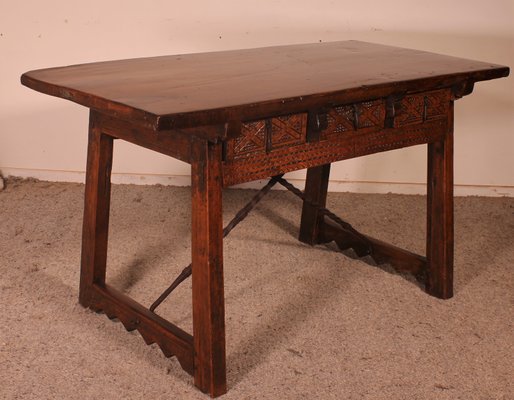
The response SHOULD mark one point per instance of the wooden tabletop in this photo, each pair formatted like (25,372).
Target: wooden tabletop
(211,88)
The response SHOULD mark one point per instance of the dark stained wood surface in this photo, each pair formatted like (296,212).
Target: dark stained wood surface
(276,110)
(172,340)
(207,268)
(211,88)
(440,230)
(401,260)
(97,198)
(316,187)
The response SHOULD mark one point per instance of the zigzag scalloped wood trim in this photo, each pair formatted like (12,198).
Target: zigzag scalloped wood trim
(172,340)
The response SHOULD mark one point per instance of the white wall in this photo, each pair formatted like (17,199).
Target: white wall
(45,137)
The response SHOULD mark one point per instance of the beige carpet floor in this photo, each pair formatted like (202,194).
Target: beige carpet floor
(302,322)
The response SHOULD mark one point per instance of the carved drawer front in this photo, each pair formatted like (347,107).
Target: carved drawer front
(288,130)
(278,145)
(266,135)
(372,115)
(421,107)
(369,115)
(252,139)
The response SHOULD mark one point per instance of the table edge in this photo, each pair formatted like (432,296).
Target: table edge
(262,109)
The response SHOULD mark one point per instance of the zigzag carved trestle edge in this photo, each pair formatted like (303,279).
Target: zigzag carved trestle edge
(382,253)
(172,340)
(333,228)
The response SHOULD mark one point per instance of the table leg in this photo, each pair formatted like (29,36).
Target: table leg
(96,211)
(440,215)
(316,187)
(207,268)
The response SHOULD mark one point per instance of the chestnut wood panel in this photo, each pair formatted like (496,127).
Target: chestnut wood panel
(212,88)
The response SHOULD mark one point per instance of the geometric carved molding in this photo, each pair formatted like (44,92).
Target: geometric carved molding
(339,120)
(437,104)
(265,135)
(418,108)
(410,111)
(360,127)
(371,114)
(337,147)
(347,118)
(252,138)
(288,130)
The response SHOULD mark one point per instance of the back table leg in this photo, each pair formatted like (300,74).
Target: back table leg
(316,186)
(96,211)
(207,269)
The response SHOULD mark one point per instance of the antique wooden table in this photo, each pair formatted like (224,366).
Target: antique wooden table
(238,116)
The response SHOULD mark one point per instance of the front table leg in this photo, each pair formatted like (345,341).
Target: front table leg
(440,215)
(207,268)
(96,211)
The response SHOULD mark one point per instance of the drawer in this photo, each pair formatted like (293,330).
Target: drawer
(365,116)
(265,135)
(282,144)
(371,116)
(421,107)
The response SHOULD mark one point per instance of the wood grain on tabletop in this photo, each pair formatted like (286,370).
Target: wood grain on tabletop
(168,91)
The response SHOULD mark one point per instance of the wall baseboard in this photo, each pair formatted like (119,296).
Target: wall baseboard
(334,185)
